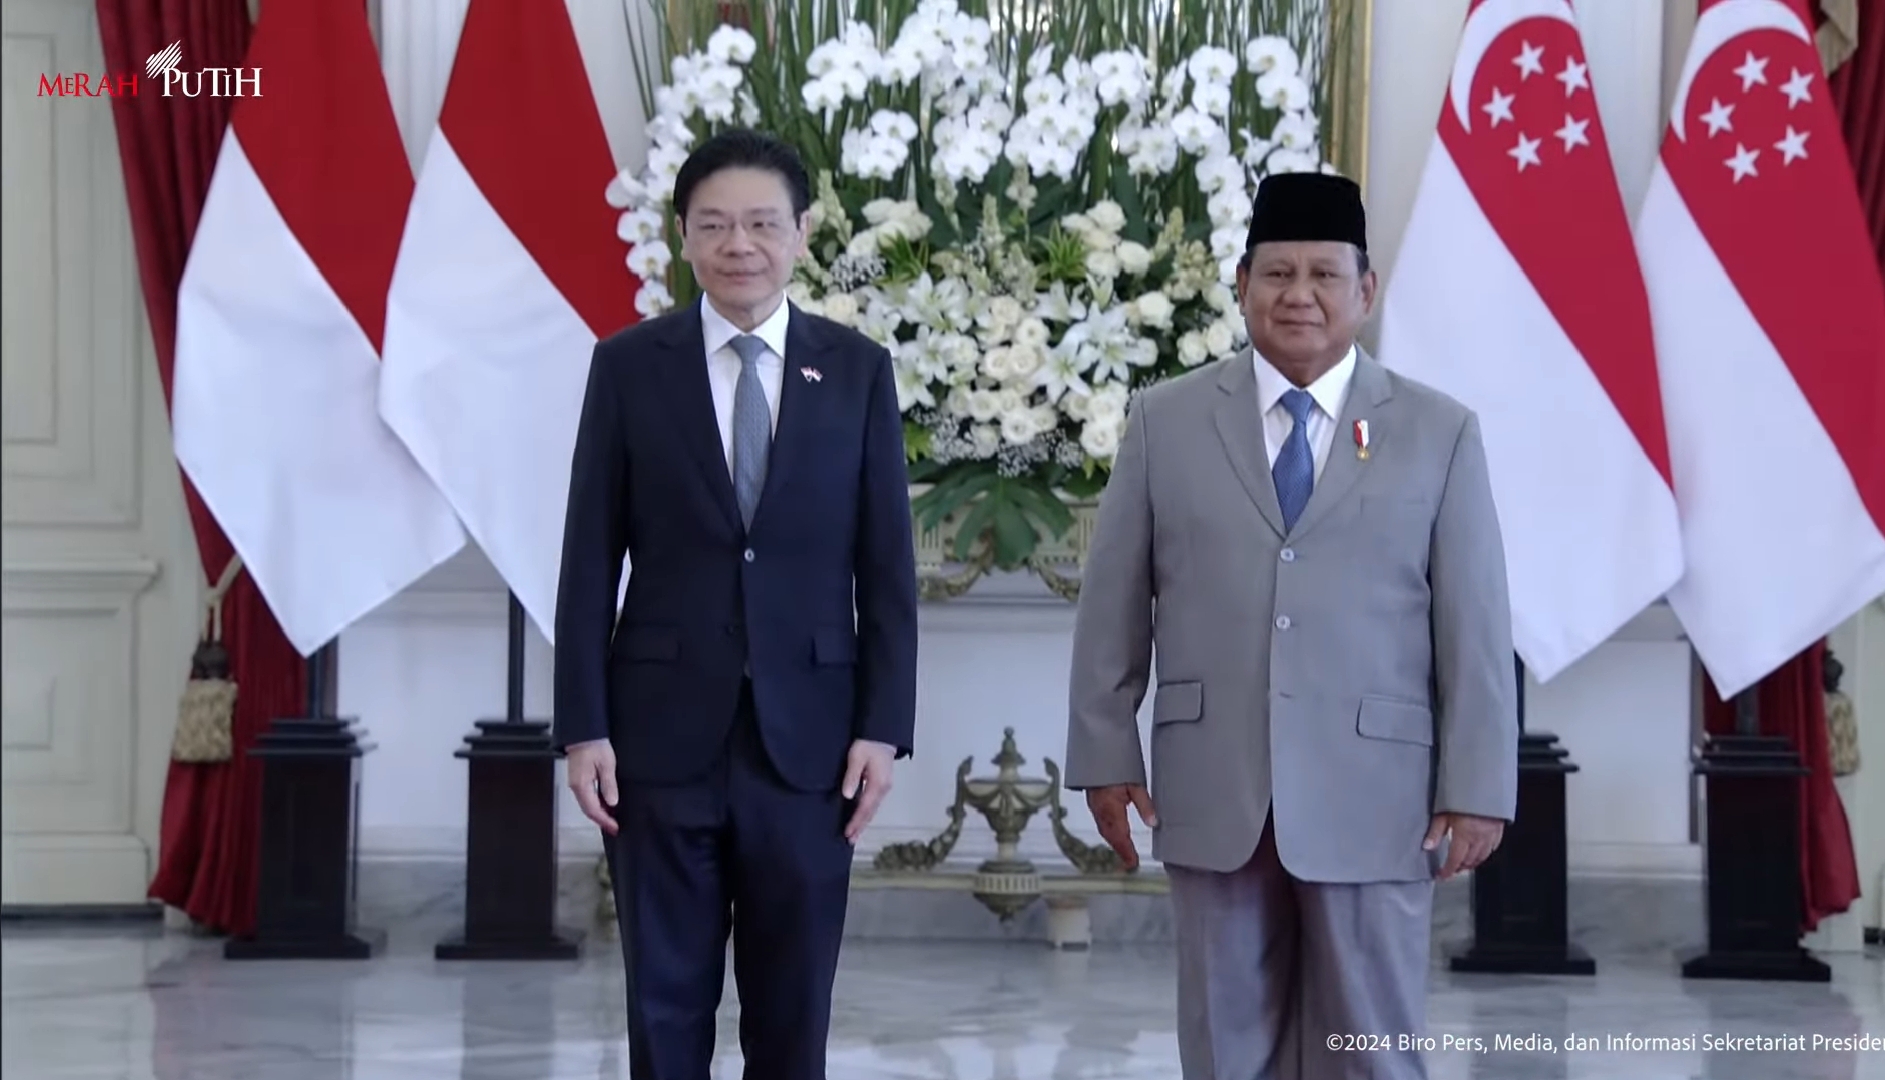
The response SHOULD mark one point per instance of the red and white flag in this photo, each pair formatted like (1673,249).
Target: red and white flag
(1517,291)
(279,318)
(509,273)
(1770,329)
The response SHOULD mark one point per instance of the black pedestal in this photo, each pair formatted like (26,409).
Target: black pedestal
(304,904)
(1521,923)
(1753,863)
(510,857)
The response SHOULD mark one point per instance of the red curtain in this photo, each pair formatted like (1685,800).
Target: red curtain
(208,835)
(1792,703)
(1859,94)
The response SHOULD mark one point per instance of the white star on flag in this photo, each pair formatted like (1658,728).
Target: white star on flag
(1798,88)
(1575,76)
(1573,132)
(1792,147)
(1752,71)
(1529,60)
(1718,117)
(1743,162)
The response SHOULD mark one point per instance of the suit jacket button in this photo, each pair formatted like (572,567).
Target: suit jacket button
(1289,555)
(732,629)
(749,554)
(1282,622)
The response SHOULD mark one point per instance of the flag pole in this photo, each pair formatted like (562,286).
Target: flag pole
(1751,849)
(511,865)
(307,880)
(1521,895)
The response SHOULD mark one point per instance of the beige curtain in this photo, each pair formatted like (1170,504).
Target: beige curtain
(1839,35)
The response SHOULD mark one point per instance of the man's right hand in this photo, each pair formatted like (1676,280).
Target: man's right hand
(591,768)
(1108,806)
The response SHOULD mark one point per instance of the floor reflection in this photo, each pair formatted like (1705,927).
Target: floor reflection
(121,1004)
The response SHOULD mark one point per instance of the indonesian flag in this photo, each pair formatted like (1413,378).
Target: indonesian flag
(279,319)
(509,273)
(1518,292)
(1770,329)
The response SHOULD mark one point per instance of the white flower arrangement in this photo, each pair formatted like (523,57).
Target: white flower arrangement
(1034,236)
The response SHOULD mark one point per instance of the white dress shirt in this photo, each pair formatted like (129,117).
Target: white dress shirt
(723,365)
(1331,396)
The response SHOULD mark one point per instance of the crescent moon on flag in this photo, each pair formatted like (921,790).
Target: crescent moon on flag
(1715,29)
(1483,27)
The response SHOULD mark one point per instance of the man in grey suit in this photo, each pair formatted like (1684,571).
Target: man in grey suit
(1309,542)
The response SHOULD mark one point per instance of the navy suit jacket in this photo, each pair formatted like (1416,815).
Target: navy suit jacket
(818,599)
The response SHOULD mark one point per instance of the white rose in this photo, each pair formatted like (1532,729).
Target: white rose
(1031,334)
(985,439)
(841,308)
(1045,418)
(984,405)
(1107,216)
(1134,257)
(1024,361)
(996,364)
(1102,265)
(1100,438)
(1218,339)
(1154,310)
(865,244)
(1192,350)
(1017,426)
(1009,400)
(959,402)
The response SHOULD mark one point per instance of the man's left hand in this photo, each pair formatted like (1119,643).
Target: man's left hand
(868,766)
(1474,840)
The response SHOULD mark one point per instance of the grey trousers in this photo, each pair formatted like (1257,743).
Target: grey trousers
(1280,979)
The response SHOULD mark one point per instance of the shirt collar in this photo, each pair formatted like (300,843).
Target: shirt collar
(716,331)
(1330,391)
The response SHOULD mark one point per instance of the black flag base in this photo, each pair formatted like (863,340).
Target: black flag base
(510,857)
(304,904)
(1753,863)
(1520,905)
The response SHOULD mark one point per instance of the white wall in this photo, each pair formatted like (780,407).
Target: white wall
(99,573)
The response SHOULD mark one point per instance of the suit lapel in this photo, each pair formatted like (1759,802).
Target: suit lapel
(800,402)
(1367,393)
(694,416)
(1239,420)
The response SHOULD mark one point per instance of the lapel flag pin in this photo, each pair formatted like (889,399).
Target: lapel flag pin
(1361,439)
(811,374)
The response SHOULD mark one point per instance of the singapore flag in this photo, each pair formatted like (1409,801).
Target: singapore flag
(1770,333)
(1518,292)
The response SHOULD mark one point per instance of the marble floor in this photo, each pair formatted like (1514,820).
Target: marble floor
(134,1004)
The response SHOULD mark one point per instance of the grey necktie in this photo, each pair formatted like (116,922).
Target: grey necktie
(752,428)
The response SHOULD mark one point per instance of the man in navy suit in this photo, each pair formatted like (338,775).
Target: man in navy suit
(733,730)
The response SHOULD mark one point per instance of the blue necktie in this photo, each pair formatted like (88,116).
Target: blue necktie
(752,428)
(1295,468)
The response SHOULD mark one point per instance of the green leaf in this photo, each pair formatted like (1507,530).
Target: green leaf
(1014,535)
(974,524)
(1126,194)
(916,442)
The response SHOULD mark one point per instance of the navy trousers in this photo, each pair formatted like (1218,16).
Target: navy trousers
(737,854)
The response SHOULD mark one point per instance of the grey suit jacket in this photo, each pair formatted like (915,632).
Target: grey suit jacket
(1351,677)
